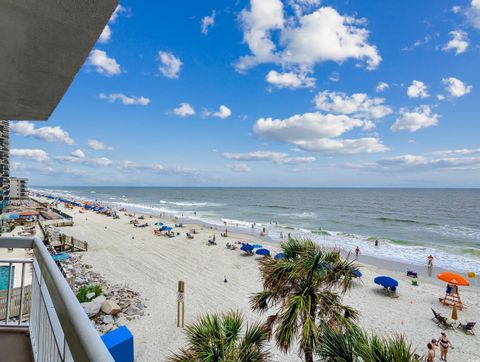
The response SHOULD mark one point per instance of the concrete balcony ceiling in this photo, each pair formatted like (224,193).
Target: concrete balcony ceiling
(43,45)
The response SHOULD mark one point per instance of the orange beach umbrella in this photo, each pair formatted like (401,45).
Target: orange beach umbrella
(452,278)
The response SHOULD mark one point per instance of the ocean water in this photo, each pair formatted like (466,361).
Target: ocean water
(409,223)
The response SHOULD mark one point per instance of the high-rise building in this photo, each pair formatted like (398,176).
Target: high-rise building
(18,188)
(4,164)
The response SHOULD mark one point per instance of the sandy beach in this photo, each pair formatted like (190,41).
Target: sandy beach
(152,265)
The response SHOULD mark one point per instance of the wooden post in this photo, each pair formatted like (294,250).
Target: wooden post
(180,301)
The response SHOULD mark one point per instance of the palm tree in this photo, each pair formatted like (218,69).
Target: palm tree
(305,290)
(354,345)
(218,338)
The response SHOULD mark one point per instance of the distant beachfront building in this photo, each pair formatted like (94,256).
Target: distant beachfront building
(18,188)
(4,164)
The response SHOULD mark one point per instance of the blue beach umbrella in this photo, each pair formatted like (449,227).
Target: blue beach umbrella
(279,256)
(61,256)
(168,228)
(255,246)
(265,252)
(14,216)
(385,281)
(247,248)
(357,273)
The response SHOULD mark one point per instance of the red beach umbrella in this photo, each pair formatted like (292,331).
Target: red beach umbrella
(452,278)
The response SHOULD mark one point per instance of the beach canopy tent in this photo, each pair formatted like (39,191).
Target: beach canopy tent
(265,252)
(247,248)
(279,256)
(452,296)
(386,281)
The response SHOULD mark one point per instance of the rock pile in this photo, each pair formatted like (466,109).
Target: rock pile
(116,306)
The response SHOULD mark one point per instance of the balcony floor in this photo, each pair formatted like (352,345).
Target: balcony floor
(15,346)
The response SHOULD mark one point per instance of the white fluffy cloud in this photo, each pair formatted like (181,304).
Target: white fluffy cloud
(239,167)
(307,39)
(358,104)
(49,134)
(78,153)
(169,64)
(473,13)
(455,87)
(29,154)
(423,162)
(97,145)
(458,42)
(223,112)
(381,87)
(106,35)
(103,64)
(275,157)
(318,132)
(412,121)
(290,80)
(417,89)
(184,110)
(207,22)
(126,100)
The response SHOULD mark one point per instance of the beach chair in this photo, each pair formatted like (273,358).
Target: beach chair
(467,328)
(441,321)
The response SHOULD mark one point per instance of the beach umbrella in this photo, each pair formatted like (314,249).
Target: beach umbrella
(452,278)
(168,228)
(14,216)
(385,281)
(265,252)
(454,312)
(158,223)
(247,248)
(279,256)
(61,256)
(255,246)
(357,273)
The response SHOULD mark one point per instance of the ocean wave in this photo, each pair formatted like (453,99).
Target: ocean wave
(273,206)
(198,204)
(392,219)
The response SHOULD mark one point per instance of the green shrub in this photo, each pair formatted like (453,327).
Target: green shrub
(86,289)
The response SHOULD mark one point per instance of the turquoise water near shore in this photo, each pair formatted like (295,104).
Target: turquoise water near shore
(409,223)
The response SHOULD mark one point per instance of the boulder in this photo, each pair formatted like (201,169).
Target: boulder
(91,308)
(100,299)
(107,319)
(110,307)
(132,311)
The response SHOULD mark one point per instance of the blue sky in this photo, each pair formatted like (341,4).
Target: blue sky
(269,93)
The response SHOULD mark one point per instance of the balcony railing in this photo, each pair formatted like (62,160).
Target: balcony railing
(40,301)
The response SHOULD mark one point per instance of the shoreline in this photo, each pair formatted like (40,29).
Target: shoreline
(391,253)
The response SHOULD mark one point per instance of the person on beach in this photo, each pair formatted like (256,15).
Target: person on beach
(430,261)
(430,353)
(357,252)
(376,242)
(444,344)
